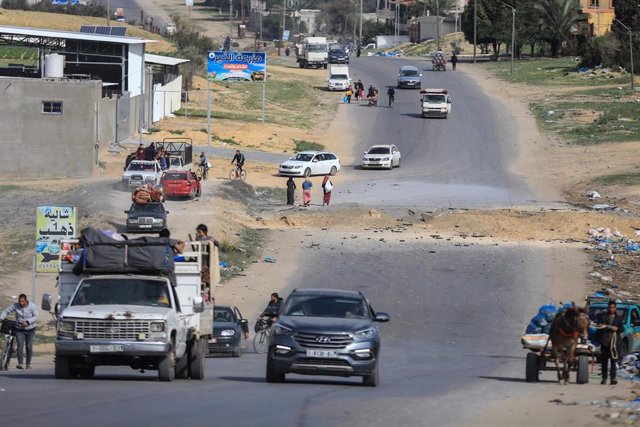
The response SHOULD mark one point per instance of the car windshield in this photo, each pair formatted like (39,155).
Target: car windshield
(337,51)
(326,306)
(317,48)
(175,161)
(147,207)
(223,315)
(434,98)
(379,150)
(339,76)
(594,312)
(140,166)
(123,291)
(302,157)
(409,73)
(174,176)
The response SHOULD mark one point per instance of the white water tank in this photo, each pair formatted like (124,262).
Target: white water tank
(54,65)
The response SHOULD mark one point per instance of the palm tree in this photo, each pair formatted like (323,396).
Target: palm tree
(558,16)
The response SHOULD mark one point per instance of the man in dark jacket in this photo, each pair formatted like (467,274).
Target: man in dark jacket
(150,152)
(610,324)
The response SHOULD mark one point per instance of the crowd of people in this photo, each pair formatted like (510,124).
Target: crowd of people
(149,153)
(307,185)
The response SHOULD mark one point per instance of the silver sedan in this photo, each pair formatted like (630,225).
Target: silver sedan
(381,156)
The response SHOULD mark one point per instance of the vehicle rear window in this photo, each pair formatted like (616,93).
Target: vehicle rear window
(174,176)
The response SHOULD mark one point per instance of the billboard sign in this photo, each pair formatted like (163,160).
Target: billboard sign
(237,66)
(53,224)
(285,35)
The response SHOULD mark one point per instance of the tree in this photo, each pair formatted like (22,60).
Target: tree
(558,16)
(494,24)
(627,12)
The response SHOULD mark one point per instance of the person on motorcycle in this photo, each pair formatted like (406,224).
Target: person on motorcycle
(370,91)
(239,161)
(391,93)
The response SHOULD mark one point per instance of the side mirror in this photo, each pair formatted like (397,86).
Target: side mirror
(126,212)
(381,317)
(46,302)
(198,305)
(364,152)
(449,101)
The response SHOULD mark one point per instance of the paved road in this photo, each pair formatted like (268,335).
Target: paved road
(452,346)
(459,162)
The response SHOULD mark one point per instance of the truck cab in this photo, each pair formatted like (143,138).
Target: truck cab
(312,52)
(125,303)
(338,77)
(435,103)
(630,312)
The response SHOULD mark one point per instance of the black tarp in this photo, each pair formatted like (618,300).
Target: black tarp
(102,254)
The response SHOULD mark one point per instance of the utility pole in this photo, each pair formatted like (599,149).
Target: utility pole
(513,34)
(281,26)
(475,28)
(230,23)
(108,13)
(630,50)
(242,11)
(438,22)
(360,33)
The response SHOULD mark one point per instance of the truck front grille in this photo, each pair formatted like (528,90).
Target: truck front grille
(145,220)
(113,329)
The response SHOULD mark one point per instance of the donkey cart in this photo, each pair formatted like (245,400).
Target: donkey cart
(540,358)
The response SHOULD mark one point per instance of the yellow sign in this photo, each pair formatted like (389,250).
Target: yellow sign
(53,224)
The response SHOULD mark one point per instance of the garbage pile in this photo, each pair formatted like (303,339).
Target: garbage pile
(541,322)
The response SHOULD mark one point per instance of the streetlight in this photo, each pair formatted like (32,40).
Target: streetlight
(630,50)
(438,23)
(513,34)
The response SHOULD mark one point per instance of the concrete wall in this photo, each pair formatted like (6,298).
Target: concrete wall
(107,121)
(166,99)
(429,26)
(37,145)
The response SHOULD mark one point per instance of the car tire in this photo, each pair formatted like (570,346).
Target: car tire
(274,377)
(197,354)
(307,172)
(398,165)
(333,171)
(237,352)
(372,379)
(167,366)
(62,367)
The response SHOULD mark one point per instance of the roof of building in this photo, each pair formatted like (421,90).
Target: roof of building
(163,60)
(69,35)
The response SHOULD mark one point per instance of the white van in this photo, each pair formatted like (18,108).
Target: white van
(338,77)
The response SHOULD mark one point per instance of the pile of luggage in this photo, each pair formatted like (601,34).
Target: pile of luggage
(147,193)
(541,322)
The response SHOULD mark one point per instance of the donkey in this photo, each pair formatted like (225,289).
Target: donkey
(566,328)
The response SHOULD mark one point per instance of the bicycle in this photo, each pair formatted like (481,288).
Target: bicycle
(203,172)
(261,338)
(237,173)
(7,344)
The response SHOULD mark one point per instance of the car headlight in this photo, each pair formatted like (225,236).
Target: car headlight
(297,167)
(67,326)
(228,333)
(158,220)
(444,110)
(281,330)
(385,159)
(364,159)
(157,327)
(365,334)
(132,221)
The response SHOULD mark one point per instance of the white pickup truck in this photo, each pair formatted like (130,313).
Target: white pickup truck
(435,103)
(338,77)
(125,303)
(141,172)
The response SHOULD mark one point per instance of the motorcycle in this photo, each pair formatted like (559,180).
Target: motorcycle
(373,101)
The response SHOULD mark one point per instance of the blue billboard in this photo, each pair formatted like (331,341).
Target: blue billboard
(237,66)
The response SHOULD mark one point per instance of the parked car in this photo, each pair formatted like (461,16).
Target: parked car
(381,156)
(141,172)
(148,217)
(180,184)
(228,329)
(338,56)
(309,163)
(325,332)
(409,77)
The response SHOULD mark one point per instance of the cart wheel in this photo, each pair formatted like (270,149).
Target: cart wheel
(532,367)
(583,370)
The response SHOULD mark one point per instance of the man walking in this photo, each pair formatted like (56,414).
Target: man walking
(609,326)
(454,60)
(25,330)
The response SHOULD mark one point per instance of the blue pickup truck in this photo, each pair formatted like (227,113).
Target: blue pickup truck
(630,312)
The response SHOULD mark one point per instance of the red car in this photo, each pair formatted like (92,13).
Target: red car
(180,184)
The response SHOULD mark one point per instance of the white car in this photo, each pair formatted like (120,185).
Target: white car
(309,163)
(140,172)
(381,156)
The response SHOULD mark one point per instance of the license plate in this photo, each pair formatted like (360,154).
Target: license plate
(145,226)
(106,348)
(213,340)
(322,353)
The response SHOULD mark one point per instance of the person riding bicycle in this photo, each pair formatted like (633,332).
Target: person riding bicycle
(239,161)
(204,164)
(270,313)
(391,93)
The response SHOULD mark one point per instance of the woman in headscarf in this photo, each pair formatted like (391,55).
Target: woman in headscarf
(327,186)
(291,188)
(306,192)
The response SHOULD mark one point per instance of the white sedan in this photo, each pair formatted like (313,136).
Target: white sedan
(309,163)
(381,156)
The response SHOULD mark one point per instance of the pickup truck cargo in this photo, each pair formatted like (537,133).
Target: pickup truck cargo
(129,303)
